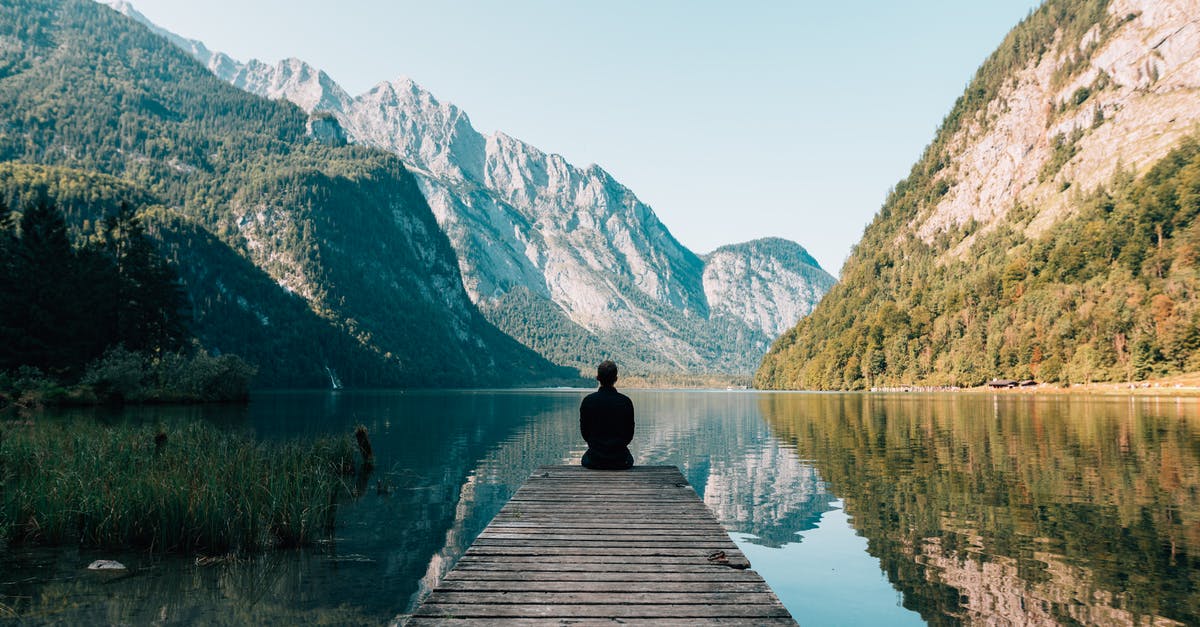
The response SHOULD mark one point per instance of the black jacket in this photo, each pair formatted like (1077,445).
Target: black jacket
(606,422)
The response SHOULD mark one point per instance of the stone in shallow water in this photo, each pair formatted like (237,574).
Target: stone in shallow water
(106,565)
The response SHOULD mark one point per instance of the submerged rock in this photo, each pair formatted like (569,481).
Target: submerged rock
(106,565)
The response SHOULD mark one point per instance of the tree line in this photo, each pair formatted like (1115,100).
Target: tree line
(65,304)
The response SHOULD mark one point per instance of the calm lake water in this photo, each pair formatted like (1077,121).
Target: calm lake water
(856,508)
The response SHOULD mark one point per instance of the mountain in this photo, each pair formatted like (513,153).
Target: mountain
(1048,231)
(766,283)
(306,256)
(565,259)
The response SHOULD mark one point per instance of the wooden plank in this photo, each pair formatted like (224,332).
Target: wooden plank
(441,621)
(585,526)
(567,560)
(630,535)
(550,532)
(588,547)
(479,585)
(605,541)
(597,515)
(574,506)
(599,610)
(583,567)
(582,598)
(427,621)
(600,551)
(691,576)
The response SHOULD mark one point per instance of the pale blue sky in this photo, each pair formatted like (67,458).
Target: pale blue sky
(733,120)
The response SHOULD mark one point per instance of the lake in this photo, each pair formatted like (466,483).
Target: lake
(856,508)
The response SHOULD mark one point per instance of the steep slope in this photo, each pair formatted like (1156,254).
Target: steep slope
(1036,237)
(565,259)
(343,229)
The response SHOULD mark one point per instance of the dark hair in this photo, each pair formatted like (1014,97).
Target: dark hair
(606,372)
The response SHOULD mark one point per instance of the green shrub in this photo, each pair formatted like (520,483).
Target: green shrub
(118,375)
(125,376)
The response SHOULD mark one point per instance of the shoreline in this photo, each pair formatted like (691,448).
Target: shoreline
(1180,385)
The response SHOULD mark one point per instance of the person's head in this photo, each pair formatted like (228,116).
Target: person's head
(606,372)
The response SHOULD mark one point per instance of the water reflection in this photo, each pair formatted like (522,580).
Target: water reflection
(446,463)
(1016,510)
(1005,510)
(719,440)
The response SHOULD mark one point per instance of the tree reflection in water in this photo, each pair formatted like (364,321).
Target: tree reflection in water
(1016,509)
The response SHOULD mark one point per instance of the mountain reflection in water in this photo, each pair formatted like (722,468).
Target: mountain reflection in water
(999,510)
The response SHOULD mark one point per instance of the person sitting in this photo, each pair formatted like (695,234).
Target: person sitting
(606,422)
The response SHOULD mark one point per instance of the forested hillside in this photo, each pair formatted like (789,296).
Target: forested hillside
(296,253)
(1050,239)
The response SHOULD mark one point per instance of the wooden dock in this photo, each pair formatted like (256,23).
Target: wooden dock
(577,546)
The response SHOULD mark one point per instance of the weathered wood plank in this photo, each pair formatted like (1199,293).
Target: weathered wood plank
(573,506)
(604,541)
(424,621)
(576,546)
(471,597)
(614,536)
(598,527)
(605,587)
(606,516)
(690,576)
(583,567)
(599,610)
(586,551)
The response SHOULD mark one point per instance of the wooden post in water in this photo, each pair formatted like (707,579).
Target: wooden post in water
(586,546)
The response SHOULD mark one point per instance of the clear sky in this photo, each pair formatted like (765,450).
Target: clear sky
(733,120)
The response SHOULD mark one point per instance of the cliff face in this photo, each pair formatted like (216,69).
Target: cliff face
(1045,232)
(738,276)
(1121,96)
(538,238)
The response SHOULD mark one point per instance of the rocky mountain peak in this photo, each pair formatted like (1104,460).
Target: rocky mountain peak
(309,88)
(401,117)
(539,237)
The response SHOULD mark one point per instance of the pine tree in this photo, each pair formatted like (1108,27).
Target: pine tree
(8,285)
(43,263)
(150,312)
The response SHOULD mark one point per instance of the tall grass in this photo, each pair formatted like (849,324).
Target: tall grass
(183,489)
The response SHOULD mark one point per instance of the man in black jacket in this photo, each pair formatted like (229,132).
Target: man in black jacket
(606,422)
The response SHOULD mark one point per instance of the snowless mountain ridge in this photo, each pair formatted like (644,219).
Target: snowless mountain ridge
(537,237)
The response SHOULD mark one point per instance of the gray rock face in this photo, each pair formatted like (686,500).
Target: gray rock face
(1133,101)
(574,240)
(769,283)
(326,129)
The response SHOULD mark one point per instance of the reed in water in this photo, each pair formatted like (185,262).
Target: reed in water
(192,488)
